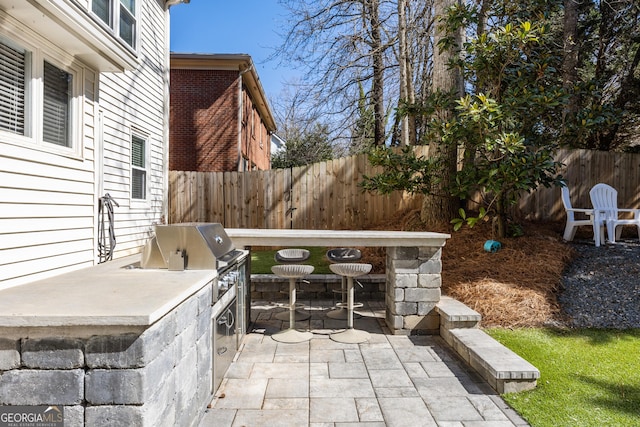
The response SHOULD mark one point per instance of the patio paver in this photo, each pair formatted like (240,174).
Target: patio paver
(391,380)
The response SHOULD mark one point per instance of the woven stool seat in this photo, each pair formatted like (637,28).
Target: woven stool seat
(292,255)
(344,255)
(351,269)
(292,270)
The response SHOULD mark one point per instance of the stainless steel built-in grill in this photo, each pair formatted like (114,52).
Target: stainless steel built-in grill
(206,246)
(195,246)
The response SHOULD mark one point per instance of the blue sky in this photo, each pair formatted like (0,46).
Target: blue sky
(232,26)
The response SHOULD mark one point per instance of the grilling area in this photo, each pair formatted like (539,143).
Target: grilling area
(146,340)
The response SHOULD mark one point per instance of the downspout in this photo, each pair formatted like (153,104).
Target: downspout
(240,105)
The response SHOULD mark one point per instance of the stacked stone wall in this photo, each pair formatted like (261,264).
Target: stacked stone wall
(159,377)
(413,289)
(269,287)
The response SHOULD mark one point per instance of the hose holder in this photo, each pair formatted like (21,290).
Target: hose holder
(492,246)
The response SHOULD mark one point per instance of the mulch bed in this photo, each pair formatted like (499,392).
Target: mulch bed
(516,286)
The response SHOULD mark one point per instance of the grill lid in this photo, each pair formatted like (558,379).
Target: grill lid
(200,243)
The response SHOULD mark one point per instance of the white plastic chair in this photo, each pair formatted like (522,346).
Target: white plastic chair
(573,223)
(604,199)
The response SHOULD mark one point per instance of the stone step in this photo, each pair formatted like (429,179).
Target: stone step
(454,314)
(503,369)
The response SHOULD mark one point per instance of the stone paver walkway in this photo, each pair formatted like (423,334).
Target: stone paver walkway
(391,380)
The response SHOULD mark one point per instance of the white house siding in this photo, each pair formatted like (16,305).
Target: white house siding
(49,202)
(134,101)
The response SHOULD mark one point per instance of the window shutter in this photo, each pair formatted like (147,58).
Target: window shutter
(57,105)
(12,89)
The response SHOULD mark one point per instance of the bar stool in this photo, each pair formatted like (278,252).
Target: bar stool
(292,272)
(292,256)
(342,255)
(350,270)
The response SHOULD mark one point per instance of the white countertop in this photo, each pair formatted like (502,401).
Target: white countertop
(242,237)
(107,294)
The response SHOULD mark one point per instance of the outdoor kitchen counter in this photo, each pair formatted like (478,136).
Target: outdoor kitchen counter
(110,345)
(334,238)
(413,267)
(108,294)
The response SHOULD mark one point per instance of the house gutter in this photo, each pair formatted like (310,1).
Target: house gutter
(170,3)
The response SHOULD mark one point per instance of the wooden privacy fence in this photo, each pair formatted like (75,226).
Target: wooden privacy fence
(582,170)
(321,196)
(327,195)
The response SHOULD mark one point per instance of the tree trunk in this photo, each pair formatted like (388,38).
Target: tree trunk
(418,38)
(500,220)
(607,139)
(404,72)
(484,16)
(378,73)
(570,59)
(439,208)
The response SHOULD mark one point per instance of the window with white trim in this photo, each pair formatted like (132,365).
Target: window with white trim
(119,16)
(38,97)
(139,167)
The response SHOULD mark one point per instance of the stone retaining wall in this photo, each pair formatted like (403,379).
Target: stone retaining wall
(161,376)
(269,287)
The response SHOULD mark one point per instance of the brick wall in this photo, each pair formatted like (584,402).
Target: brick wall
(203,122)
(256,143)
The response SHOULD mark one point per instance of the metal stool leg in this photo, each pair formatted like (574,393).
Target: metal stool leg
(292,335)
(299,315)
(341,312)
(350,335)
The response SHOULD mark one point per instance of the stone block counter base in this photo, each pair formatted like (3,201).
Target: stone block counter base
(413,289)
(413,267)
(114,346)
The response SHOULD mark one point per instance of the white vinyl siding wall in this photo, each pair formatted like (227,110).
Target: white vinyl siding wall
(140,96)
(49,200)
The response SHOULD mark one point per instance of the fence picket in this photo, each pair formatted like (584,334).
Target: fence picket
(327,195)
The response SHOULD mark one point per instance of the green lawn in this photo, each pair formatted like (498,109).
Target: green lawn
(588,377)
(262,260)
